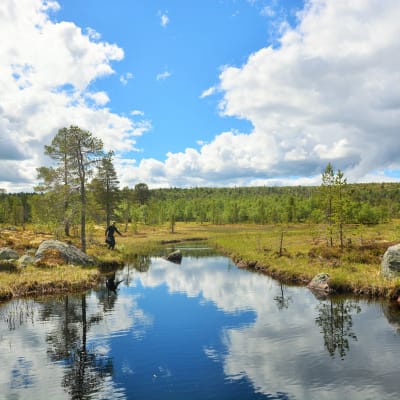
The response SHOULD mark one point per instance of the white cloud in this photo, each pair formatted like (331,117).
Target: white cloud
(330,92)
(163,75)
(268,11)
(47,68)
(164,19)
(125,78)
(137,112)
(93,34)
(208,92)
(100,98)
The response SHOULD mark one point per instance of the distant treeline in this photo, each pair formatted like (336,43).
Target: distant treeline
(366,204)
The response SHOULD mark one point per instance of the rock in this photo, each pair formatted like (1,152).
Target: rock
(25,260)
(54,252)
(175,257)
(242,264)
(320,283)
(390,265)
(8,254)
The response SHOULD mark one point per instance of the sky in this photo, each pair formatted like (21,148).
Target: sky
(194,93)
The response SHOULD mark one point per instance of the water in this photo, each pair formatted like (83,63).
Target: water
(199,330)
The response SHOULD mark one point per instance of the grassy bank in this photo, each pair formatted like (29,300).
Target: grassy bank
(34,281)
(297,253)
(291,253)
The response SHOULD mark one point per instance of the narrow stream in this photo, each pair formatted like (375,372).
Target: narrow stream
(202,329)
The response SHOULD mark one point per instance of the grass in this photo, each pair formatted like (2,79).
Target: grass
(290,253)
(304,252)
(33,281)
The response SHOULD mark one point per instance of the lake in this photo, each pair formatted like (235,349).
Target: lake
(202,329)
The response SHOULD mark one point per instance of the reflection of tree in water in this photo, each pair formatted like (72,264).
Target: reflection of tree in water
(139,262)
(16,313)
(335,320)
(282,301)
(391,310)
(85,370)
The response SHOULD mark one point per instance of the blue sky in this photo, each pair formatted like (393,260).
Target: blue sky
(174,50)
(204,92)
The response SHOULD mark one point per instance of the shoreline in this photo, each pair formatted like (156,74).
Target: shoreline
(354,270)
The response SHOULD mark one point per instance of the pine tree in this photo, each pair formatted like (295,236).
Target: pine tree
(335,201)
(105,186)
(76,152)
(327,190)
(57,180)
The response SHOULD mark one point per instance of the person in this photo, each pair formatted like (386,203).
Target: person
(110,239)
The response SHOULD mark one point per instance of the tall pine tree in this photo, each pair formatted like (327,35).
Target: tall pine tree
(76,152)
(106,186)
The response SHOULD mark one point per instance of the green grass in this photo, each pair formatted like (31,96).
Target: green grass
(305,252)
(291,253)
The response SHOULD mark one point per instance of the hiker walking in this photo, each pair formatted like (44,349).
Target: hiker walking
(110,239)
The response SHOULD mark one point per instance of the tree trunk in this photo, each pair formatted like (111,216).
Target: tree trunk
(83,217)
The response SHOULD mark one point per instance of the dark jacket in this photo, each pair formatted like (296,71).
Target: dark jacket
(110,231)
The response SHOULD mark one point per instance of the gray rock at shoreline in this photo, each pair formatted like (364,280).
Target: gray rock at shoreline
(69,253)
(320,283)
(391,261)
(8,254)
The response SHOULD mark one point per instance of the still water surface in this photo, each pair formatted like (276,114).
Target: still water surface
(199,330)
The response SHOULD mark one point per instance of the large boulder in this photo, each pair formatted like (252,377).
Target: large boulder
(320,282)
(52,252)
(391,261)
(25,260)
(8,254)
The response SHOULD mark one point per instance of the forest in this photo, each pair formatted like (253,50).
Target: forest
(367,204)
(82,190)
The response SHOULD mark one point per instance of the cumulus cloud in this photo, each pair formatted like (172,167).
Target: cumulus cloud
(329,92)
(99,98)
(47,68)
(326,94)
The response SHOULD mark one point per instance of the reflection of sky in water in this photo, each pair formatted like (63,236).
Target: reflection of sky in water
(205,329)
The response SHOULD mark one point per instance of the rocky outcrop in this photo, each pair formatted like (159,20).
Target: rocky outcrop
(390,266)
(53,252)
(8,254)
(25,260)
(175,257)
(320,282)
